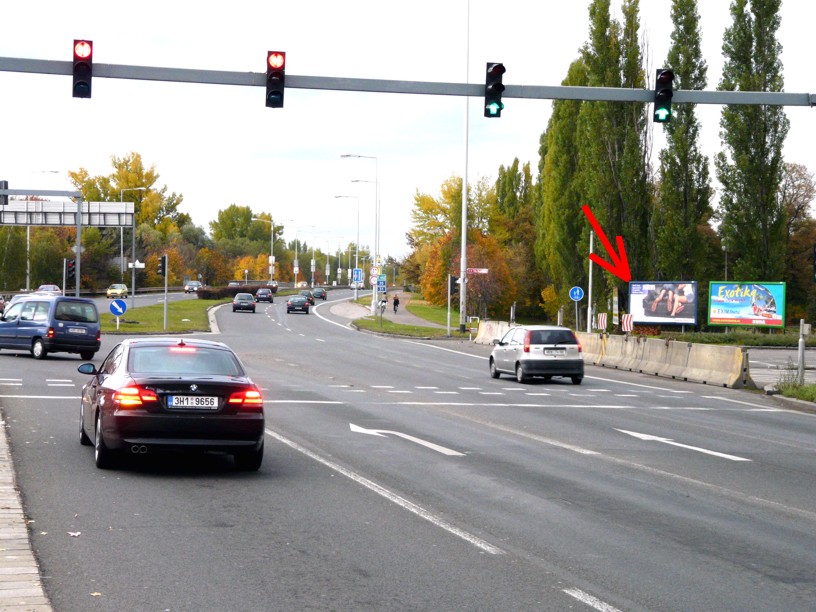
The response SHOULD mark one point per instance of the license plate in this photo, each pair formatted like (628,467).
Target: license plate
(77,330)
(554,352)
(192,401)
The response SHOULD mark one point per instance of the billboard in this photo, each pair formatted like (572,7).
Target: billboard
(659,303)
(752,304)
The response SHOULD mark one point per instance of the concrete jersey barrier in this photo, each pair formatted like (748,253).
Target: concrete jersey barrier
(725,366)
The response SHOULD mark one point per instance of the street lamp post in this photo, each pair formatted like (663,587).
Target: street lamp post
(122,232)
(296,266)
(132,248)
(374,294)
(271,246)
(357,244)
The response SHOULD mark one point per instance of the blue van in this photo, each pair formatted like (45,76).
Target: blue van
(45,324)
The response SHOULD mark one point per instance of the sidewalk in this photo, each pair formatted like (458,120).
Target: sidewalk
(352,310)
(20,585)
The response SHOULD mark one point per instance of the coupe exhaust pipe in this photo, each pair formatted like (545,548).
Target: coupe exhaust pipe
(138,449)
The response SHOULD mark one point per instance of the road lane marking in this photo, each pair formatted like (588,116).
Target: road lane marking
(392,497)
(592,602)
(725,399)
(670,442)
(623,382)
(385,432)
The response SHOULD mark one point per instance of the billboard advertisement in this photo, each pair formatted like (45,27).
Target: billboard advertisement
(660,303)
(752,304)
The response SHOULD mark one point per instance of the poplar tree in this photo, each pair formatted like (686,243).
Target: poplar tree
(684,201)
(560,222)
(750,166)
(613,142)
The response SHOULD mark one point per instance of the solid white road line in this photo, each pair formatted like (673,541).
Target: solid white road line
(391,496)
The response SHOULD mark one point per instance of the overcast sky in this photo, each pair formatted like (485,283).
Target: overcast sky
(220,145)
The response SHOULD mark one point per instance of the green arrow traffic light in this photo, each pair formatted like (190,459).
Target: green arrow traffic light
(494,109)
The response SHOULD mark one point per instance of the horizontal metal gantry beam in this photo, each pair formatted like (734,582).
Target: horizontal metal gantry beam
(476,90)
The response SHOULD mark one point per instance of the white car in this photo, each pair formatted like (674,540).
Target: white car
(527,351)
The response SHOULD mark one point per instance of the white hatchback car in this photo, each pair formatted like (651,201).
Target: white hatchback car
(538,350)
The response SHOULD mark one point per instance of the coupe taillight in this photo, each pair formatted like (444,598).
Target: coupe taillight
(134,396)
(247,398)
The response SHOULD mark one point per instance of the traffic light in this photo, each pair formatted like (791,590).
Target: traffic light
(494,89)
(664,83)
(83,68)
(70,272)
(454,285)
(275,78)
(162,269)
(3,198)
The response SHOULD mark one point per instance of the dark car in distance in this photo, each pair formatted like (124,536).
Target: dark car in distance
(243,301)
(297,303)
(308,295)
(161,394)
(264,294)
(320,292)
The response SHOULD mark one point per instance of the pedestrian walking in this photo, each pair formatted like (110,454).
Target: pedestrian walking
(395,301)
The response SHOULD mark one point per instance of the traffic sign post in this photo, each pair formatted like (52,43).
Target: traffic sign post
(118,308)
(576,295)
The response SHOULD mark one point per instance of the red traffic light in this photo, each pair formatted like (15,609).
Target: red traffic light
(276,60)
(83,49)
(275,78)
(83,68)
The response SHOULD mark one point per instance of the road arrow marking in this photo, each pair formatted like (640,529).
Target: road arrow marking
(652,438)
(383,433)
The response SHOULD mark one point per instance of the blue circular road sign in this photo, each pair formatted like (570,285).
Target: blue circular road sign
(118,307)
(576,294)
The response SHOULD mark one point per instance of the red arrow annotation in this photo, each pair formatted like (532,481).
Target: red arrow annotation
(620,264)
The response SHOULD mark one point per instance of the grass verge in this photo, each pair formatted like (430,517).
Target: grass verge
(788,385)
(376,324)
(182,316)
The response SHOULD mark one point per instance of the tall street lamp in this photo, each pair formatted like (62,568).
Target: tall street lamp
(374,294)
(296,266)
(357,244)
(271,246)
(122,232)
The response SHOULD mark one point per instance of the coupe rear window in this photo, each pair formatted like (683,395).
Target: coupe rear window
(190,360)
(552,336)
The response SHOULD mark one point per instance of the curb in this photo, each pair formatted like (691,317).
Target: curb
(20,584)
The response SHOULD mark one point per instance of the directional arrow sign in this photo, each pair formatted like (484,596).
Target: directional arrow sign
(118,307)
(642,436)
(384,433)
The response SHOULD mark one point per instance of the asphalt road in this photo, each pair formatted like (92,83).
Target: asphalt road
(399,476)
